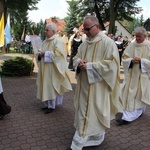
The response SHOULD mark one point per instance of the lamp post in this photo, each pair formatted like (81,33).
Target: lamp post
(93,5)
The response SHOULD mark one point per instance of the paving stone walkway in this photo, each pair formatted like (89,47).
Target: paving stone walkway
(28,128)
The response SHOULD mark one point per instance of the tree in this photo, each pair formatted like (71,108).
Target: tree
(147,24)
(131,25)
(72,19)
(112,10)
(141,20)
(100,8)
(18,23)
(98,14)
(38,28)
(18,13)
(122,9)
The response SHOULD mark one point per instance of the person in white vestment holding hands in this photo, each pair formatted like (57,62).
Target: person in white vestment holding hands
(53,76)
(97,91)
(136,86)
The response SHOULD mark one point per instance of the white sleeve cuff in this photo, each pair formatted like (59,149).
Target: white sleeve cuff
(92,74)
(48,56)
(143,66)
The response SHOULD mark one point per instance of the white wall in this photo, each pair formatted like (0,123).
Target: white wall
(120,30)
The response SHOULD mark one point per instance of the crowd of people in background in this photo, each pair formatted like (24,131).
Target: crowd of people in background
(69,43)
(74,48)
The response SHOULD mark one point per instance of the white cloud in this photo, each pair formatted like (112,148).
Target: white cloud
(49,8)
(61,12)
(145,6)
(58,8)
(146,12)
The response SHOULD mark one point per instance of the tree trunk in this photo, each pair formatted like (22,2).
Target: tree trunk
(1,7)
(99,17)
(113,13)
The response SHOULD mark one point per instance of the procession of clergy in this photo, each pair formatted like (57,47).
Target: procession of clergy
(98,98)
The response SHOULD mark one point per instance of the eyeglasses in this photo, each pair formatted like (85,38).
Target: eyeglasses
(88,29)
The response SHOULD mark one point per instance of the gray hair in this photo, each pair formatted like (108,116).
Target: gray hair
(141,30)
(92,18)
(52,26)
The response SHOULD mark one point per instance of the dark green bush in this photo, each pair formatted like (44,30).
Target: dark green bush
(17,67)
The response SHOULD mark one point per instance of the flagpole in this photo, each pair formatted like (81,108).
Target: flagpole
(23,33)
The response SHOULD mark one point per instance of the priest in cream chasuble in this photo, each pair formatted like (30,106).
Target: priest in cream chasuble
(97,91)
(53,76)
(136,86)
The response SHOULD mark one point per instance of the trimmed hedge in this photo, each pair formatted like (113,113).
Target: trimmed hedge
(17,67)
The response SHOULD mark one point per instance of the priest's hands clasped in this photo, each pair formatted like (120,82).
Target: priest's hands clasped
(136,60)
(82,65)
(40,55)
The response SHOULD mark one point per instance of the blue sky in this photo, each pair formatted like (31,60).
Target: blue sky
(50,8)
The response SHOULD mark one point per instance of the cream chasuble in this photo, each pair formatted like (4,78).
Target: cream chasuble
(53,77)
(65,42)
(136,86)
(97,97)
(70,43)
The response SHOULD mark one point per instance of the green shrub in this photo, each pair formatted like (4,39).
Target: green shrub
(17,67)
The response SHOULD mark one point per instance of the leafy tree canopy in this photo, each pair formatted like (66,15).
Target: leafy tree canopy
(18,10)
(110,10)
(72,19)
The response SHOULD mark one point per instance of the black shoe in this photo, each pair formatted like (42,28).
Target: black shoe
(118,116)
(44,108)
(69,148)
(119,119)
(48,110)
(1,117)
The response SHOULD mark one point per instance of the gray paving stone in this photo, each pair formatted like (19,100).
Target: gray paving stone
(28,128)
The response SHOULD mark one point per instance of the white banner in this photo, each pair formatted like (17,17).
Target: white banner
(36,42)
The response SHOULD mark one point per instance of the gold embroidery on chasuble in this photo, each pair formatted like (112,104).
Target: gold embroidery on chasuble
(43,70)
(89,90)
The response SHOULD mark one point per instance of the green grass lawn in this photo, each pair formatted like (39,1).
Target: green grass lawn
(11,50)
